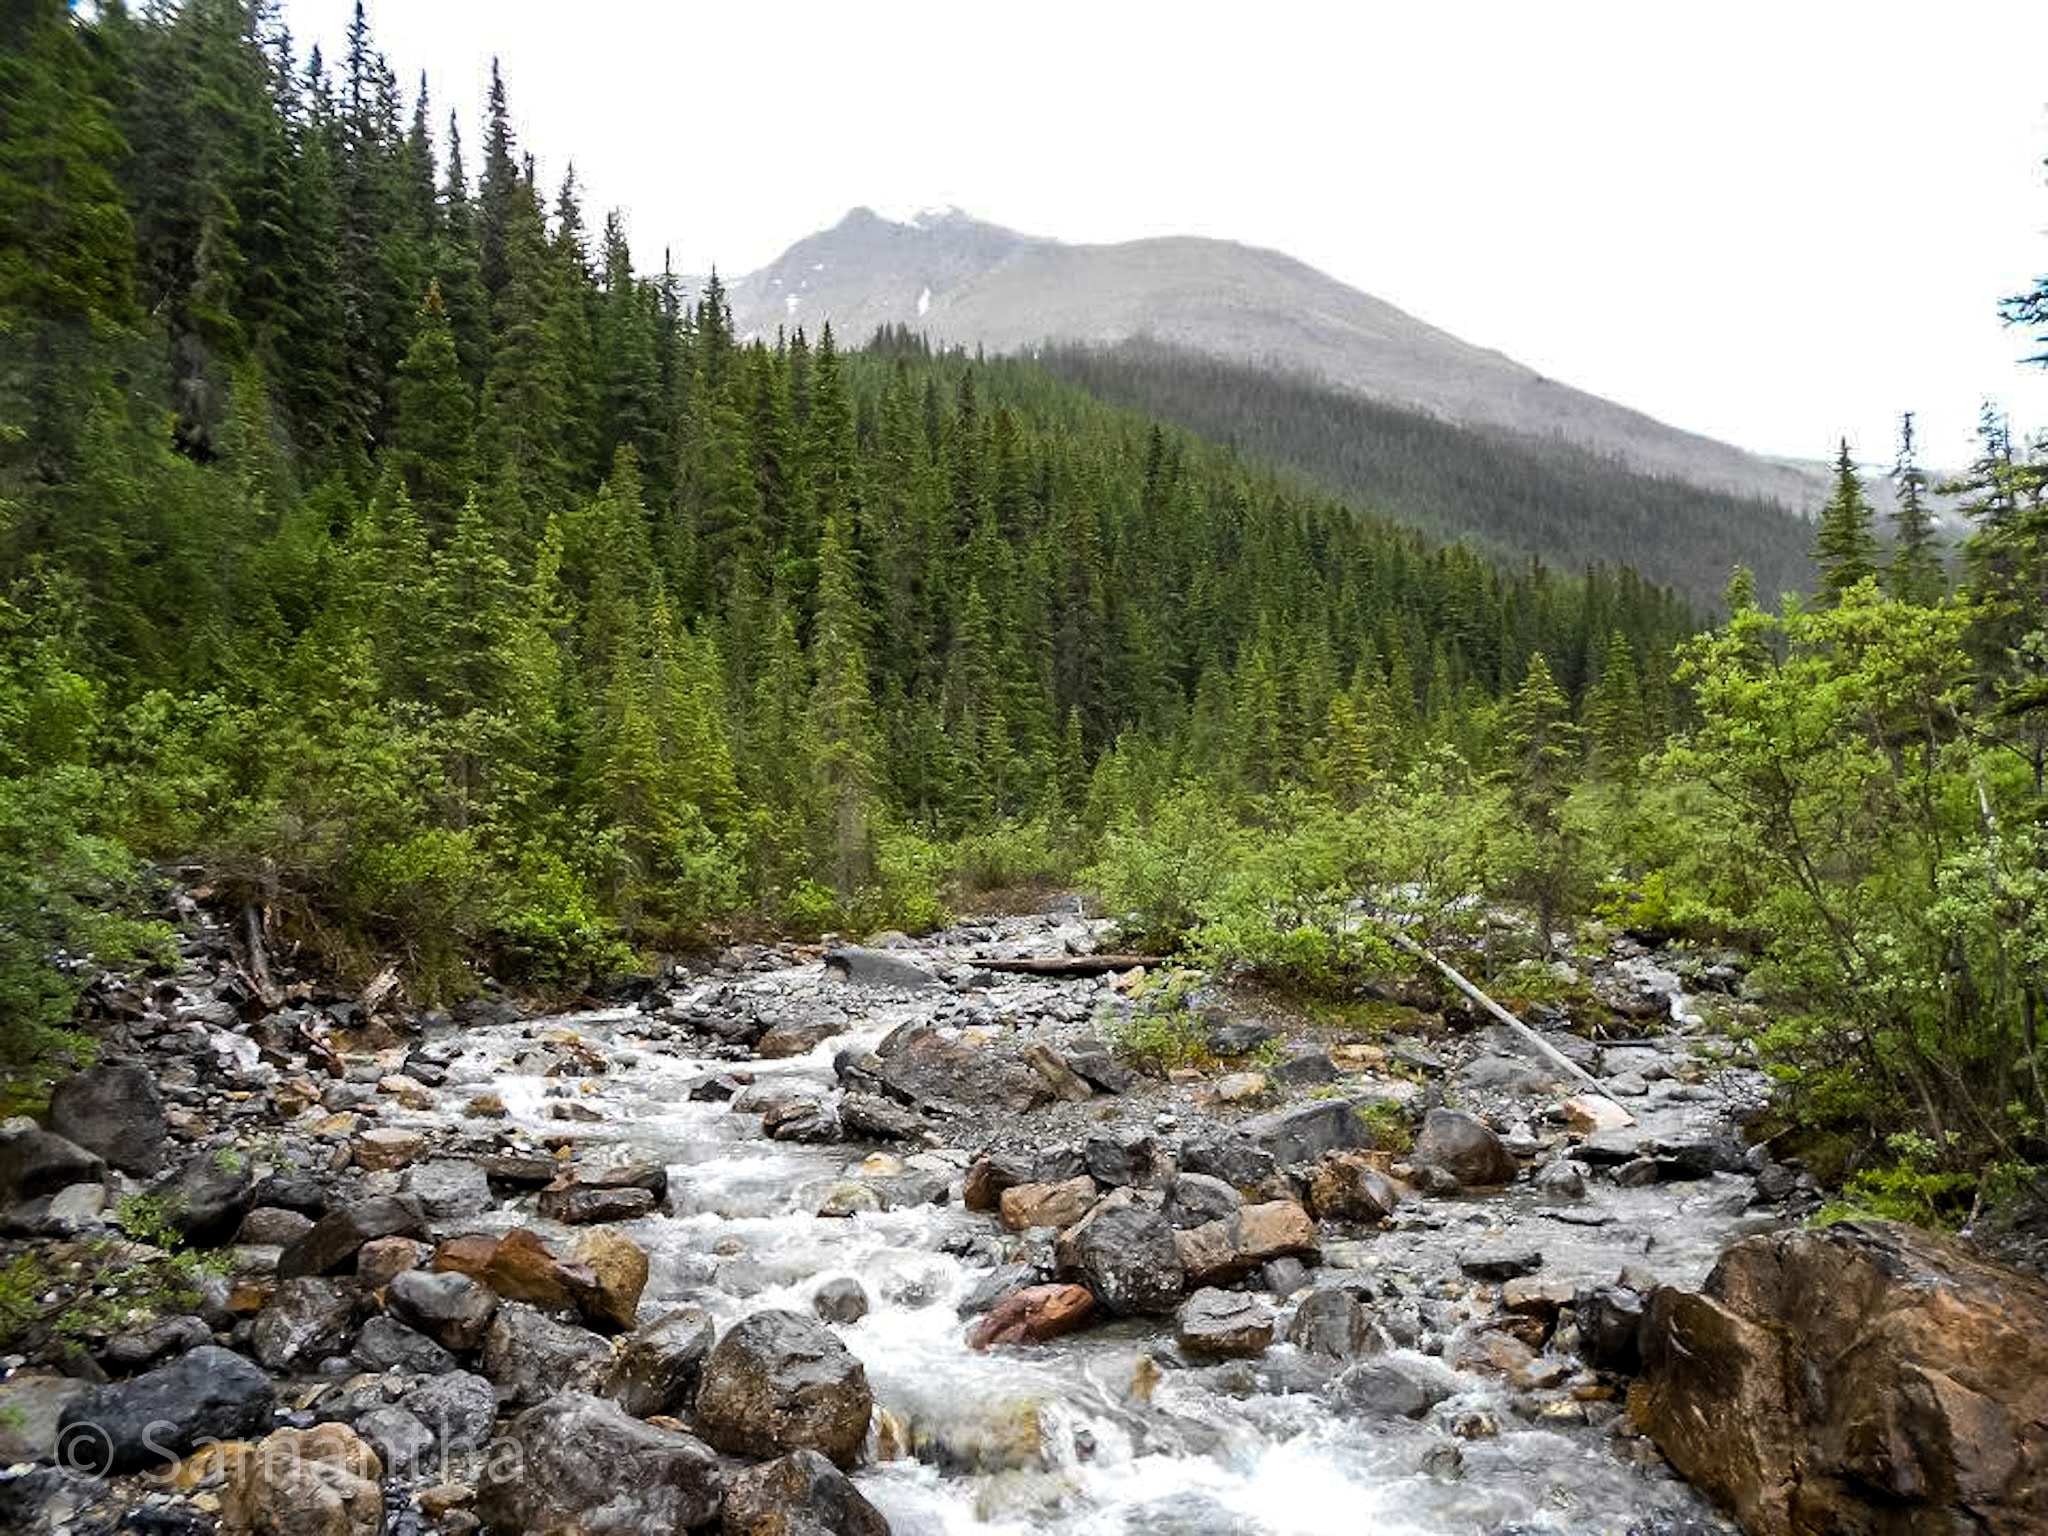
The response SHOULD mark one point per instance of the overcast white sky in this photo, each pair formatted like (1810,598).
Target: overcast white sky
(1776,223)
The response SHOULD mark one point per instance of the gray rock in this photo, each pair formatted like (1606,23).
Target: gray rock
(398,1437)
(35,1163)
(1500,1261)
(871,1117)
(272,1226)
(784,1382)
(1306,1131)
(876,968)
(1608,1149)
(1236,1037)
(531,1357)
(1223,1325)
(335,1237)
(451,1309)
(657,1366)
(1395,1386)
(1560,1179)
(1284,1276)
(1462,1147)
(127,1353)
(998,1283)
(306,1321)
(208,1394)
(578,1465)
(1226,1155)
(1609,1320)
(1195,1199)
(116,1111)
(841,1299)
(1128,1158)
(591,1205)
(450,1191)
(923,1067)
(30,1407)
(1306,1068)
(205,1200)
(801,1494)
(385,1344)
(1334,1323)
(1124,1253)
(457,1407)
(1101,1070)
(1505,1074)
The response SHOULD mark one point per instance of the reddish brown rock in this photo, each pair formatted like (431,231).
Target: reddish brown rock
(1033,1315)
(1866,1379)
(1047,1205)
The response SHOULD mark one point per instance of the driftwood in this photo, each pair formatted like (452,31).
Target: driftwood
(257,972)
(1523,1032)
(1069,965)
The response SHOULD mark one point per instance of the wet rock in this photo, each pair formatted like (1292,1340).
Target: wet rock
(1063,1080)
(114,1111)
(308,1320)
(1033,1315)
(1056,1165)
(925,1067)
(272,1226)
(987,1178)
(781,1041)
(1306,1131)
(579,1465)
(1283,1276)
(30,1407)
(870,1117)
(778,1380)
(602,1278)
(382,1259)
(800,1120)
(1465,1149)
(208,1394)
(616,1268)
(1395,1386)
(1047,1205)
(1223,1325)
(1220,1252)
(1102,1070)
(335,1237)
(450,1191)
(1226,1155)
(1346,1187)
(206,1199)
(139,1349)
(1932,1422)
(518,1171)
(1500,1261)
(1334,1323)
(801,1494)
(323,1481)
(385,1147)
(386,1344)
(1608,1149)
(1698,1157)
(656,1367)
(451,1309)
(531,1357)
(841,1299)
(457,1407)
(1637,1173)
(877,968)
(1588,1112)
(1000,1282)
(1560,1179)
(580,1205)
(294,1192)
(1609,1320)
(36,1163)
(398,1436)
(1195,1199)
(1124,1252)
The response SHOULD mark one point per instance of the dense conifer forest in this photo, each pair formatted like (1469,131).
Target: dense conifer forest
(386,541)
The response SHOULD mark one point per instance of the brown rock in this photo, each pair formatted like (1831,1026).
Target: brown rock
(801,1494)
(387,1146)
(581,1204)
(1589,1112)
(410,1092)
(781,1382)
(1062,1079)
(1277,1229)
(1033,1315)
(617,1271)
(1345,1186)
(312,1482)
(1868,1379)
(519,1266)
(382,1258)
(1047,1205)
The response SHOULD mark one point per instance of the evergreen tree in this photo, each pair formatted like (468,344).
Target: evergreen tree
(1915,574)
(431,433)
(1845,549)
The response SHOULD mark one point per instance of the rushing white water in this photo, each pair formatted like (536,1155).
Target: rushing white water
(1105,1432)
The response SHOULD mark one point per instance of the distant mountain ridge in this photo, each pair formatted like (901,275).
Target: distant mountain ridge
(961,280)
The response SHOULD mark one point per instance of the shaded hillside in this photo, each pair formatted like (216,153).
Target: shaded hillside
(1514,494)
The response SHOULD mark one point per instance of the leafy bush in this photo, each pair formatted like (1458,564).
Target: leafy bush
(1157,1030)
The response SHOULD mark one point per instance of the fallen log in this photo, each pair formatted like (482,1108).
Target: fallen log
(1069,965)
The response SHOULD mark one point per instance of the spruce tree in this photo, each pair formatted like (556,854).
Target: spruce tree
(1915,574)
(431,434)
(1845,549)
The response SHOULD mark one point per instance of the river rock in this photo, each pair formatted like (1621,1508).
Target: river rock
(531,1357)
(1499,1261)
(780,1041)
(784,1382)
(1126,1159)
(457,1407)
(616,1268)
(386,1344)
(1033,1315)
(30,1408)
(206,1199)
(385,1147)
(208,1394)
(1223,1325)
(923,1067)
(801,1494)
(1589,1112)
(336,1237)
(382,1259)
(579,1465)
(1194,1199)
(655,1368)
(1936,1420)
(1124,1252)
(1220,1252)
(1458,1144)
(580,1205)
(1332,1322)
(451,1309)
(1346,1187)
(1047,1205)
(450,1190)
(1610,1320)
(1095,1066)
(519,1266)
(272,1226)
(306,1321)
(842,1300)
(1395,1386)
(399,1437)
(1226,1155)
(324,1481)
(114,1111)
(870,1117)
(1560,1179)
(36,1162)
(1306,1131)
(877,968)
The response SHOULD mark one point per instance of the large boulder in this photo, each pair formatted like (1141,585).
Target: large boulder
(531,1357)
(337,1236)
(1124,1252)
(656,1367)
(578,1465)
(779,1381)
(324,1481)
(207,1394)
(39,1162)
(1307,1130)
(206,1199)
(451,1309)
(1867,1379)
(1458,1144)
(115,1111)
(306,1321)
(924,1067)
(801,1494)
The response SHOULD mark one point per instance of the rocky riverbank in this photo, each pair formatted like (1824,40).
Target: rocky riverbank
(886,1237)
